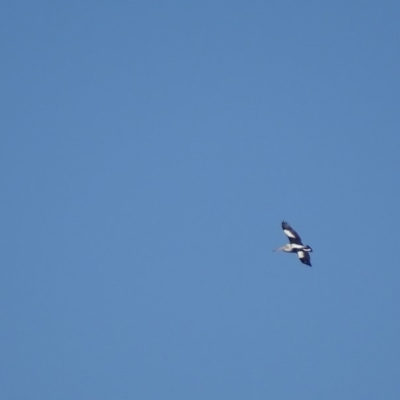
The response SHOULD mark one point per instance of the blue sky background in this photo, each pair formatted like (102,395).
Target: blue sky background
(149,152)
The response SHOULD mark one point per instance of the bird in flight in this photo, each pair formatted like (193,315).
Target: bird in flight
(295,245)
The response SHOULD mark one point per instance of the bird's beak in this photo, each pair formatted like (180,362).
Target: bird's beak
(279,248)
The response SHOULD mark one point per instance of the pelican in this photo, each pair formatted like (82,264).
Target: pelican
(295,245)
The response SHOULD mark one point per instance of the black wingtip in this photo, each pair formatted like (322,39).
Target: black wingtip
(285,225)
(305,262)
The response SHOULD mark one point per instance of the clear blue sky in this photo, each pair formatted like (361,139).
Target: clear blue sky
(150,150)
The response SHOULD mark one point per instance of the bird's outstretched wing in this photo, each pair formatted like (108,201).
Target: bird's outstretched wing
(304,257)
(291,233)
